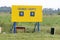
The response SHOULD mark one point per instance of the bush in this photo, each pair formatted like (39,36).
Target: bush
(59,13)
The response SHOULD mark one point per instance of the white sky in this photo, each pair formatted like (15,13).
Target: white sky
(45,3)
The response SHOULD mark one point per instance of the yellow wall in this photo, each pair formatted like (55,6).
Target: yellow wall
(26,18)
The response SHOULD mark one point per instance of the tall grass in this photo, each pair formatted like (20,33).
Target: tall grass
(48,22)
(45,27)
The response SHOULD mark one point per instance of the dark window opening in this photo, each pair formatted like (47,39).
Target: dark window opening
(32,13)
(21,13)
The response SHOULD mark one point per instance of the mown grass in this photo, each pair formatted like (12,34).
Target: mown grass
(29,36)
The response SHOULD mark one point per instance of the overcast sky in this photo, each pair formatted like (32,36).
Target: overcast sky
(45,3)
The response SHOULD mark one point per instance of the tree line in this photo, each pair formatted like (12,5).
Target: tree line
(46,11)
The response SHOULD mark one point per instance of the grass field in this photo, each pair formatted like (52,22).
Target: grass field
(29,36)
(44,34)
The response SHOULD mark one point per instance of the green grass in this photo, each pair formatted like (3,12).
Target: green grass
(45,27)
(51,20)
(29,36)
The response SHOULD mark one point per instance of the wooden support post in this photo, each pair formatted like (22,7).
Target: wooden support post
(14,27)
(37,25)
